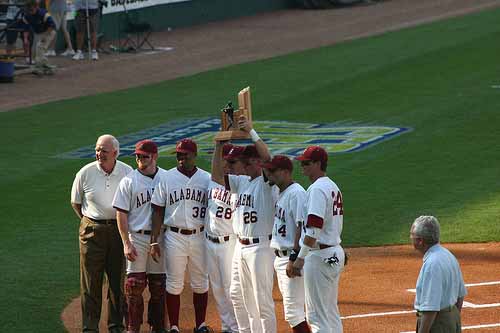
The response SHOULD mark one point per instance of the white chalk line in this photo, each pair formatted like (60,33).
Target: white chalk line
(465,305)
(468,327)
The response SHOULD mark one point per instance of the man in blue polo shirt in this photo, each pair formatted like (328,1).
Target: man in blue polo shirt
(440,285)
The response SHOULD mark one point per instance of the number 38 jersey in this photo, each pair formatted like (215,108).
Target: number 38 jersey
(254,207)
(324,199)
(289,212)
(221,202)
(184,198)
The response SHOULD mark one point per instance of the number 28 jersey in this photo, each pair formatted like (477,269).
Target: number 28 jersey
(221,202)
(254,207)
(184,198)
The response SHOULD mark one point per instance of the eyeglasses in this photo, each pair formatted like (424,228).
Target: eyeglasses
(140,156)
(306,163)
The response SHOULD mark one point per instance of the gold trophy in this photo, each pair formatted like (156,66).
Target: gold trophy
(229,118)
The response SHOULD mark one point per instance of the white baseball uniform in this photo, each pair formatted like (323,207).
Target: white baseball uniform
(288,215)
(220,241)
(254,222)
(185,202)
(134,196)
(324,264)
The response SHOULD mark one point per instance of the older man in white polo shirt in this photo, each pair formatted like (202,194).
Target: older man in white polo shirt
(440,285)
(101,248)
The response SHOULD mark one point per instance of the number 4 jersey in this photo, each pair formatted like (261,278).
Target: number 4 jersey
(184,198)
(254,212)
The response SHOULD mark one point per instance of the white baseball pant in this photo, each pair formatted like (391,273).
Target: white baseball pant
(219,262)
(292,290)
(236,293)
(257,278)
(183,251)
(144,262)
(321,290)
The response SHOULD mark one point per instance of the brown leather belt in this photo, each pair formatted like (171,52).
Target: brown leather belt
(218,239)
(282,253)
(248,241)
(112,221)
(186,231)
(324,246)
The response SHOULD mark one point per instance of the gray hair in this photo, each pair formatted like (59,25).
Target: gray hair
(114,142)
(427,227)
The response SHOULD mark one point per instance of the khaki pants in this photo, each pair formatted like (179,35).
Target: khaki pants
(447,321)
(42,42)
(101,251)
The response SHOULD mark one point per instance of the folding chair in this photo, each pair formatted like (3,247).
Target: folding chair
(136,33)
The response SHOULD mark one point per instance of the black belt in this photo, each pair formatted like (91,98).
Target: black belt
(186,231)
(446,309)
(112,221)
(324,246)
(282,253)
(221,239)
(248,241)
(144,232)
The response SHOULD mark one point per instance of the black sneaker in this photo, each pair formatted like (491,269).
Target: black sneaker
(173,329)
(203,329)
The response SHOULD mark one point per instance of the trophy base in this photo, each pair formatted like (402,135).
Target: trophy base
(231,135)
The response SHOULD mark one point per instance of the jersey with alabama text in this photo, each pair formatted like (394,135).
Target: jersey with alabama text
(221,202)
(134,196)
(324,199)
(254,207)
(289,212)
(184,198)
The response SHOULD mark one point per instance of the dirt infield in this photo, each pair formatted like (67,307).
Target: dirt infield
(218,44)
(374,292)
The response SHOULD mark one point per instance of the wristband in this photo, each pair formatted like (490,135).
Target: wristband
(153,244)
(254,135)
(293,255)
(304,251)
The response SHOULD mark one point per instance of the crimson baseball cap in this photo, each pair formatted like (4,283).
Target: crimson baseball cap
(278,162)
(314,153)
(146,147)
(235,153)
(226,149)
(186,146)
(251,152)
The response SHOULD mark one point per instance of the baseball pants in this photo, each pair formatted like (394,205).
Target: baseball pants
(257,278)
(321,282)
(292,290)
(181,252)
(236,294)
(144,262)
(219,261)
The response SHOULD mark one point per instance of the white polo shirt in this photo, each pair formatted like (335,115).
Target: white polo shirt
(94,189)
(440,282)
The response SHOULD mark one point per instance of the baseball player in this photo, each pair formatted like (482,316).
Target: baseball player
(220,240)
(133,213)
(288,221)
(321,251)
(180,202)
(254,222)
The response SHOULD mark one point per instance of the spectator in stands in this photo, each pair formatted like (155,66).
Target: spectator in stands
(84,7)
(15,29)
(58,10)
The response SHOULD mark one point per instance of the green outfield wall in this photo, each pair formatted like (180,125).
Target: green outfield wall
(187,13)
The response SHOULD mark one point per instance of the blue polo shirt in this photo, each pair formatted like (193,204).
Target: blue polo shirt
(440,282)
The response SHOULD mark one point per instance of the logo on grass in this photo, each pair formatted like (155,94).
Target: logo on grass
(282,137)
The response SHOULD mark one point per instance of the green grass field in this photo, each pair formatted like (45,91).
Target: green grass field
(435,79)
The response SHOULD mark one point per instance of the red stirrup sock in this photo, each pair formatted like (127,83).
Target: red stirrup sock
(173,305)
(200,302)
